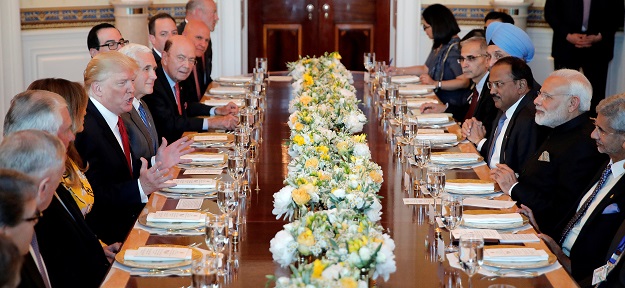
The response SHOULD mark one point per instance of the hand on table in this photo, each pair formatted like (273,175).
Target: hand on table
(427,108)
(426,79)
(557,250)
(155,178)
(228,109)
(530,215)
(473,130)
(227,122)
(504,176)
(111,250)
(169,155)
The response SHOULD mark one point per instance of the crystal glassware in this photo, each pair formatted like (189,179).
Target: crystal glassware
(451,215)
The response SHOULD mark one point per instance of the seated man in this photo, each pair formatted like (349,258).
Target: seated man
(588,228)
(515,136)
(104,37)
(172,114)
(550,181)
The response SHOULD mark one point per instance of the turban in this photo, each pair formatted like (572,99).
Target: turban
(510,39)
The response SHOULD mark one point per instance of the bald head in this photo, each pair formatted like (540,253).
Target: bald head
(203,10)
(199,34)
(178,58)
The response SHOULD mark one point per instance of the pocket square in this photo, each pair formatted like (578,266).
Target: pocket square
(544,157)
(611,209)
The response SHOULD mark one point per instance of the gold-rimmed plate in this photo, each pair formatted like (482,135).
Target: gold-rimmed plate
(454,162)
(209,139)
(143,220)
(490,225)
(469,191)
(520,264)
(197,162)
(195,254)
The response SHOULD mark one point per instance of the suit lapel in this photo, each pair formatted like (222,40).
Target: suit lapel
(136,118)
(615,192)
(107,133)
(171,98)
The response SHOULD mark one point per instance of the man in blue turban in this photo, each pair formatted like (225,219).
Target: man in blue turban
(510,40)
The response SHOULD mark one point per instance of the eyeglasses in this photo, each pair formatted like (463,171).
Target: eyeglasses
(601,131)
(547,96)
(181,59)
(425,27)
(471,58)
(34,218)
(113,45)
(497,84)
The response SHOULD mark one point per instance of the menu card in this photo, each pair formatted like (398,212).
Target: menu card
(211,137)
(158,254)
(191,183)
(480,202)
(223,102)
(190,204)
(485,233)
(518,238)
(418,201)
(202,157)
(202,171)
(176,216)
(505,218)
(515,255)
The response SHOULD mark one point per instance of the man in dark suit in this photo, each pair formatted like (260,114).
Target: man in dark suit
(17,203)
(160,27)
(515,136)
(550,180)
(121,182)
(616,275)
(588,228)
(205,11)
(583,37)
(198,33)
(172,114)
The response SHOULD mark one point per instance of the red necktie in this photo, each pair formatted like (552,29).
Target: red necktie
(472,104)
(178,98)
(125,141)
(197,83)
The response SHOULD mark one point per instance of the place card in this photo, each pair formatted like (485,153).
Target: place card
(430,131)
(191,183)
(158,254)
(203,171)
(190,204)
(518,238)
(201,157)
(485,233)
(418,201)
(213,137)
(515,254)
(224,102)
(485,203)
(176,216)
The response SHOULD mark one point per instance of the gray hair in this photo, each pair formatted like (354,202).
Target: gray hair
(194,5)
(131,50)
(35,109)
(477,39)
(577,85)
(32,152)
(613,108)
(15,189)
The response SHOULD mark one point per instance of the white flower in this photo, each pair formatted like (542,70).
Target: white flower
(339,193)
(282,202)
(387,266)
(331,272)
(279,247)
(354,259)
(365,254)
(374,212)
(362,150)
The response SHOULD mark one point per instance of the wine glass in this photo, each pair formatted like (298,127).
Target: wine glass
(451,211)
(217,239)
(471,254)
(369,62)
(241,140)
(237,166)
(227,196)
(435,183)
(261,66)
(204,272)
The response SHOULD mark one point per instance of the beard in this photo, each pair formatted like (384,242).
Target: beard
(552,119)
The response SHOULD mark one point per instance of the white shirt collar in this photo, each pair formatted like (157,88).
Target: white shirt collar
(157,52)
(512,108)
(480,84)
(617,168)
(110,117)
(136,103)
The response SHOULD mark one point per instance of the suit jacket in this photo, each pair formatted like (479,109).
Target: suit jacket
(616,278)
(566,16)
(552,187)
(486,110)
(162,103)
(114,186)
(142,138)
(30,277)
(65,240)
(208,55)
(157,58)
(593,241)
(521,138)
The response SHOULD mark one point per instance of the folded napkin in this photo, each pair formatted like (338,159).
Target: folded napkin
(280,78)
(433,118)
(223,102)
(415,89)
(438,137)
(238,79)
(176,216)
(210,137)
(158,254)
(223,90)
(201,157)
(487,203)
(454,157)
(505,218)
(470,186)
(416,103)
(193,183)
(515,255)
(405,79)
(430,131)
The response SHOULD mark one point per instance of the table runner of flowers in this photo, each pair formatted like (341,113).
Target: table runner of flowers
(330,197)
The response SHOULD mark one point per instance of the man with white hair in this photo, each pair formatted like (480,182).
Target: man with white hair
(549,182)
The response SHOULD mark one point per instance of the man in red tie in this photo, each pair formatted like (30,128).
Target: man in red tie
(173,115)
(121,181)
(199,34)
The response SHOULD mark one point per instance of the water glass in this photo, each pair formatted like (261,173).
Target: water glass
(204,272)
(227,196)
(369,61)
(471,253)
(237,166)
(257,76)
(422,152)
(435,183)
(400,110)
(261,66)
(451,215)
(251,100)
(409,129)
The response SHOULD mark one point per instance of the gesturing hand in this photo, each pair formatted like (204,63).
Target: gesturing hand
(228,109)
(169,155)
(155,178)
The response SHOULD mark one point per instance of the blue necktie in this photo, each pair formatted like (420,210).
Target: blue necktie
(502,119)
(144,118)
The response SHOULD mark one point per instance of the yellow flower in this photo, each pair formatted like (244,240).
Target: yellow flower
(301,181)
(324,176)
(336,55)
(376,177)
(359,138)
(305,240)
(318,268)
(312,163)
(325,157)
(308,80)
(300,196)
(348,283)
(323,149)
(305,100)
(341,146)
(299,140)
(307,119)
(298,126)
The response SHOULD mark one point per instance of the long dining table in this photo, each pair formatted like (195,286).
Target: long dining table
(416,267)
